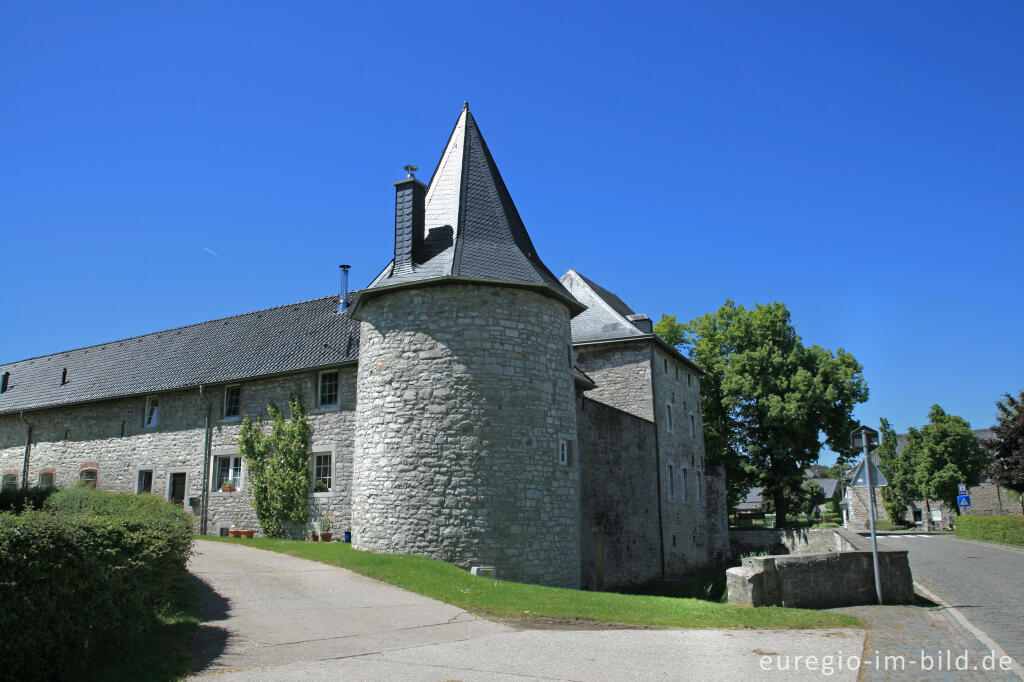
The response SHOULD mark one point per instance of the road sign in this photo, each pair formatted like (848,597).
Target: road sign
(963,500)
(860,477)
(962,487)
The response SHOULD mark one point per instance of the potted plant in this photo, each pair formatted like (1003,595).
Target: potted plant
(325,528)
(228,487)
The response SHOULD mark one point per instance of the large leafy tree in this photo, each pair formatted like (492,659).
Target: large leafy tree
(944,453)
(898,470)
(278,464)
(1008,444)
(766,398)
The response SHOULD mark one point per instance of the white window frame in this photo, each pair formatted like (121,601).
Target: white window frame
(671,471)
(668,417)
(563,452)
(224,409)
(214,471)
(323,452)
(319,388)
(152,480)
(146,423)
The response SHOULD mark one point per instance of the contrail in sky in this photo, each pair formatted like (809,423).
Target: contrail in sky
(213,253)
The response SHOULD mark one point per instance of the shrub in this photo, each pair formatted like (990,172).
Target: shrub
(23,498)
(1008,530)
(84,574)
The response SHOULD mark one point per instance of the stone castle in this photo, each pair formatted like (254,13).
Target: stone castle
(467,405)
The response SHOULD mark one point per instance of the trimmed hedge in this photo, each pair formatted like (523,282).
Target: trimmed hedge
(18,500)
(81,576)
(1008,530)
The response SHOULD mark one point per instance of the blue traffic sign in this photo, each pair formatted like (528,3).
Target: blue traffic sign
(963,500)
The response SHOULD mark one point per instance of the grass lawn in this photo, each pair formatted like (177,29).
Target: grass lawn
(162,653)
(502,599)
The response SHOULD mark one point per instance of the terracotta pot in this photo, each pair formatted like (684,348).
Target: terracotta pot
(314,537)
(326,537)
(232,533)
(248,533)
(228,488)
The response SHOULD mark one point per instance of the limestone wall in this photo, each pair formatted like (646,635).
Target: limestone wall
(622,372)
(464,393)
(111,433)
(782,541)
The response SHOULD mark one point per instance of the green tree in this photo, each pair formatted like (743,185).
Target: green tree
(944,453)
(278,464)
(1008,445)
(813,495)
(766,397)
(898,470)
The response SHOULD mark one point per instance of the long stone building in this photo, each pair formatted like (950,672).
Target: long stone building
(467,405)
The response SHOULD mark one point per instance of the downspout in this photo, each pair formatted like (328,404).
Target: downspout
(205,489)
(28,449)
(657,458)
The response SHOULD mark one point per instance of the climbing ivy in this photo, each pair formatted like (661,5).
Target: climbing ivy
(278,464)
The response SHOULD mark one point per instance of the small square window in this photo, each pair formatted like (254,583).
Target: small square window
(227,471)
(322,472)
(89,477)
(232,401)
(46,479)
(10,482)
(151,412)
(563,452)
(328,393)
(145,481)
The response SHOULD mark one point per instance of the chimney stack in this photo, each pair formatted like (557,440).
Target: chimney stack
(410,216)
(641,322)
(343,298)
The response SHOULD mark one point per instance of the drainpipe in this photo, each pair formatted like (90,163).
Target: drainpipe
(28,449)
(657,458)
(205,489)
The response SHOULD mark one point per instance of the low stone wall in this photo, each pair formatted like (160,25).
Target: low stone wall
(781,541)
(840,577)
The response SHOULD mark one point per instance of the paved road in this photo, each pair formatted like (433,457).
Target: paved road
(983,581)
(270,616)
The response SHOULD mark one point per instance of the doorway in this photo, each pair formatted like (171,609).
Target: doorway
(176,492)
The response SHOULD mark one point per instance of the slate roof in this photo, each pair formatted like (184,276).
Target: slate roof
(473,229)
(605,316)
(827,484)
(288,338)
(753,500)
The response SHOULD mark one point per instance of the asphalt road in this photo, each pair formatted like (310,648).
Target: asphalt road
(269,616)
(985,582)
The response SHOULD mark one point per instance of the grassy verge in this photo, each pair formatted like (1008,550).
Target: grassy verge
(162,653)
(1007,530)
(501,599)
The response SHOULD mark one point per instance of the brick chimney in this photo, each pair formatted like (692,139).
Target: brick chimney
(410,198)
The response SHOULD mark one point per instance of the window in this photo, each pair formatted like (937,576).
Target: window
(682,494)
(668,417)
(671,483)
(150,417)
(689,379)
(693,427)
(89,477)
(698,486)
(563,452)
(145,481)
(328,393)
(227,468)
(677,372)
(232,402)
(665,360)
(322,472)
(10,482)
(46,479)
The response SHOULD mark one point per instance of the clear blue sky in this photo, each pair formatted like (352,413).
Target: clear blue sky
(862,162)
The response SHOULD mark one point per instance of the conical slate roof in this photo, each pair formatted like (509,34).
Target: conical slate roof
(472,228)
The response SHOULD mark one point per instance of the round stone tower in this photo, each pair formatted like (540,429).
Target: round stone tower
(465,418)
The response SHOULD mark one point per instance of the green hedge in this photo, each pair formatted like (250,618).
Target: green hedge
(81,576)
(18,500)
(1008,530)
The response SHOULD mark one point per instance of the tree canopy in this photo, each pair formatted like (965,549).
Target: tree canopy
(898,471)
(766,397)
(943,453)
(1008,443)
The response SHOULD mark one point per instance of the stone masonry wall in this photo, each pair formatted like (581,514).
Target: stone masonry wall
(857,511)
(111,433)
(619,540)
(622,372)
(464,394)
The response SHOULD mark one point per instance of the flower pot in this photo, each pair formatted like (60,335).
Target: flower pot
(228,489)
(326,537)
(232,533)
(314,537)
(248,533)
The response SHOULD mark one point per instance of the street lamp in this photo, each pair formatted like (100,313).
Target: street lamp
(866,438)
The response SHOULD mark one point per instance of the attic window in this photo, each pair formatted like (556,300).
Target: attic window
(149,419)
(232,402)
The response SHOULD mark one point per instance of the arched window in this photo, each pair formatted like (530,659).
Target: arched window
(89,474)
(10,479)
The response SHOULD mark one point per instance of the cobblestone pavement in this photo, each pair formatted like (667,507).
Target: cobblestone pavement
(984,582)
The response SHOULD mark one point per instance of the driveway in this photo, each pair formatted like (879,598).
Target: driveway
(265,615)
(984,581)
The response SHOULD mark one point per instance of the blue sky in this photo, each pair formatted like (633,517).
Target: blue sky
(862,162)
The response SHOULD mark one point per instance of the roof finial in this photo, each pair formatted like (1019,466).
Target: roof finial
(465,106)
(410,169)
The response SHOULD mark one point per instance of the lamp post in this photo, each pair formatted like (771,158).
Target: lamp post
(866,438)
